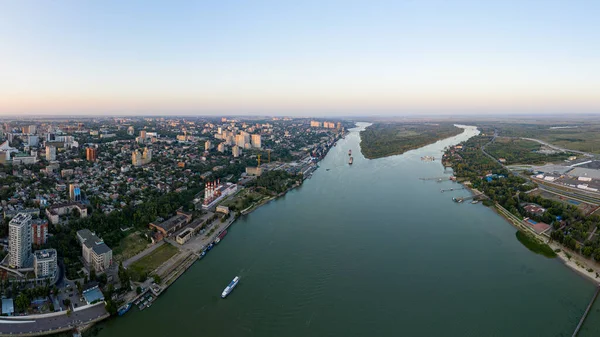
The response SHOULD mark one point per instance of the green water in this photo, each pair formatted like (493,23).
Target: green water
(369,250)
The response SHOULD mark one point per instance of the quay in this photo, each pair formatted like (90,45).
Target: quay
(587,311)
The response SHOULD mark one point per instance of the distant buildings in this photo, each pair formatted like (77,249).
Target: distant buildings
(19,241)
(91,154)
(95,252)
(50,153)
(207,145)
(130,131)
(221,147)
(315,124)
(143,158)
(45,264)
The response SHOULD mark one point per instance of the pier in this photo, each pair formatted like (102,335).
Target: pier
(436,178)
(452,189)
(587,311)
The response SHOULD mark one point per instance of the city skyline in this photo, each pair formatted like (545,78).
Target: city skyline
(310,59)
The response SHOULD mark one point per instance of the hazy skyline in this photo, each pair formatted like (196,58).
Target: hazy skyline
(311,57)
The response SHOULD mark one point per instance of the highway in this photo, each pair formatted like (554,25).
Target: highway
(51,323)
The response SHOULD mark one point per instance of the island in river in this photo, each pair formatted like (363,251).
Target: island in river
(387,139)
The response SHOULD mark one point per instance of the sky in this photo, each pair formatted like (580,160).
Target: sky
(313,58)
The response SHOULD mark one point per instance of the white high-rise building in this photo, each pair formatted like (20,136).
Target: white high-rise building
(256,141)
(45,264)
(19,241)
(207,145)
(50,153)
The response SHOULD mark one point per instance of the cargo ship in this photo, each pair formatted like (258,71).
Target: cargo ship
(221,236)
(350,160)
(124,309)
(230,287)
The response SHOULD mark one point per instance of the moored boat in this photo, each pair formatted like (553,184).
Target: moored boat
(351,160)
(124,309)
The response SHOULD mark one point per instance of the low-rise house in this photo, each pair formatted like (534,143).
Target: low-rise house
(55,211)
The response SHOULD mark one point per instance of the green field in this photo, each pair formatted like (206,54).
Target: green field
(144,266)
(520,151)
(574,135)
(129,246)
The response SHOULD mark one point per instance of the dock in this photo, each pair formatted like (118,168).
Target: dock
(437,178)
(452,189)
(587,311)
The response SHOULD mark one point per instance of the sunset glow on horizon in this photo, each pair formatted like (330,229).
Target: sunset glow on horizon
(338,57)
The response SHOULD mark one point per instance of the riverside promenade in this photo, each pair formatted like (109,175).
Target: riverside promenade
(47,324)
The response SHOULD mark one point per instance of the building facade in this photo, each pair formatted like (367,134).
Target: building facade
(50,153)
(39,232)
(45,264)
(19,241)
(256,141)
(95,252)
(91,154)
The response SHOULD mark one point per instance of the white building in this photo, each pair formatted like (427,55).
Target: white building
(236,151)
(50,153)
(207,145)
(256,143)
(141,158)
(95,252)
(19,241)
(45,264)
(221,147)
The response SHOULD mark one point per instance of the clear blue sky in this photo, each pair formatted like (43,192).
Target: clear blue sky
(299,57)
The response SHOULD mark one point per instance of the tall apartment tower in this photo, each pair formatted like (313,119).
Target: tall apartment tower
(19,241)
(91,154)
(50,153)
(256,141)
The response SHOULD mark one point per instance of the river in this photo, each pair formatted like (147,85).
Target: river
(369,250)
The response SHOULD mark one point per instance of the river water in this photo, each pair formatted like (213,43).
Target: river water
(369,250)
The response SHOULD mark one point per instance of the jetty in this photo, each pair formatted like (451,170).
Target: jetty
(437,178)
(587,311)
(452,189)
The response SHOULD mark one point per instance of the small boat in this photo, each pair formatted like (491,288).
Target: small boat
(217,240)
(351,160)
(124,309)
(327,169)
(230,287)
(209,246)
(202,254)
(349,152)
(475,201)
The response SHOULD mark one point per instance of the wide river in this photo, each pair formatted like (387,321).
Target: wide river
(370,250)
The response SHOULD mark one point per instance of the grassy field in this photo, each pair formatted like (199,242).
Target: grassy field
(243,199)
(534,245)
(129,246)
(581,136)
(150,262)
(520,151)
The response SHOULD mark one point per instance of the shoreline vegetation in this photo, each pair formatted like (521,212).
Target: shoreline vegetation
(388,139)
(506,196)
(535,245)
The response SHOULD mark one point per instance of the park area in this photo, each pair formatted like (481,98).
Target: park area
(131,245)
(140,269)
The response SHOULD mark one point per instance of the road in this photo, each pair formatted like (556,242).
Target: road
(11,326)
